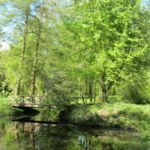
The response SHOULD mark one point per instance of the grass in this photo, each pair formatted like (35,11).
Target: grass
(121,115)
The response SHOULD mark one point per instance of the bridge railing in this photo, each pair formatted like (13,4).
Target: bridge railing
(85,99)
(26,99)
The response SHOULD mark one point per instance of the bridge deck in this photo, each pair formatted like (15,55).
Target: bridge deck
(33,101)
(28,105)
(27,101)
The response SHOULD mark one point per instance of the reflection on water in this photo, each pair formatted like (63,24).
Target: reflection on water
(36,136)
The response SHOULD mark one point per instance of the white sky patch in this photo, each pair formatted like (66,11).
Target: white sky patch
(4,46)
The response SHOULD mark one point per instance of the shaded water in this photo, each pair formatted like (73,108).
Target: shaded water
(36,136)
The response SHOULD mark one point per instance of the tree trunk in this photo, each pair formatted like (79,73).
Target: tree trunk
(34,70)
(104,95)
(90,90)
(86,89)
(36,55)
(94,91)
(81,91)
(103,88)
(18,86)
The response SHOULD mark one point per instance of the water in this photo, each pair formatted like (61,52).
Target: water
(40,136)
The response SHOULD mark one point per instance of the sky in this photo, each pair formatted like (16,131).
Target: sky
(4,46)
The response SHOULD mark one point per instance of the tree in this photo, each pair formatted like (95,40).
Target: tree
(38,41)
(88,47)
(25,33)
(30,43)
(112,40)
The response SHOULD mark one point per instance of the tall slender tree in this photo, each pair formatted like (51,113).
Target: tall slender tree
(25,34)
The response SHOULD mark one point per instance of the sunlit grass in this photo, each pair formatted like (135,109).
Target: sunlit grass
(128,116)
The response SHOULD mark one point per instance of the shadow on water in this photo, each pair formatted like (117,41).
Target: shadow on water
(45,136)
(28,111)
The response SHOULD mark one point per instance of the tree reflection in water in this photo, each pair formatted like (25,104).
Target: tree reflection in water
(36,136)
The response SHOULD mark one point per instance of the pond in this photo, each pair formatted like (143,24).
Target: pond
(15,135)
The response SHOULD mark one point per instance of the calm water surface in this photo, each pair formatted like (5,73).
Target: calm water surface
(36,136)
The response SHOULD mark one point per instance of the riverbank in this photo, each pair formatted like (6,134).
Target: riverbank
(117,115)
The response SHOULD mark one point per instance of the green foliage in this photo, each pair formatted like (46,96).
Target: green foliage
(4,85)
(6,109)
(110,40)
(135,90)
(87,48)
(59,89)
(48,114)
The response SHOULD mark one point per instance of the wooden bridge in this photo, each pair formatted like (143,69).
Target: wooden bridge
(37,101)
(27,101)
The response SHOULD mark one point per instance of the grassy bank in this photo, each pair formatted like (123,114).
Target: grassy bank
(6,109)
(120,115)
